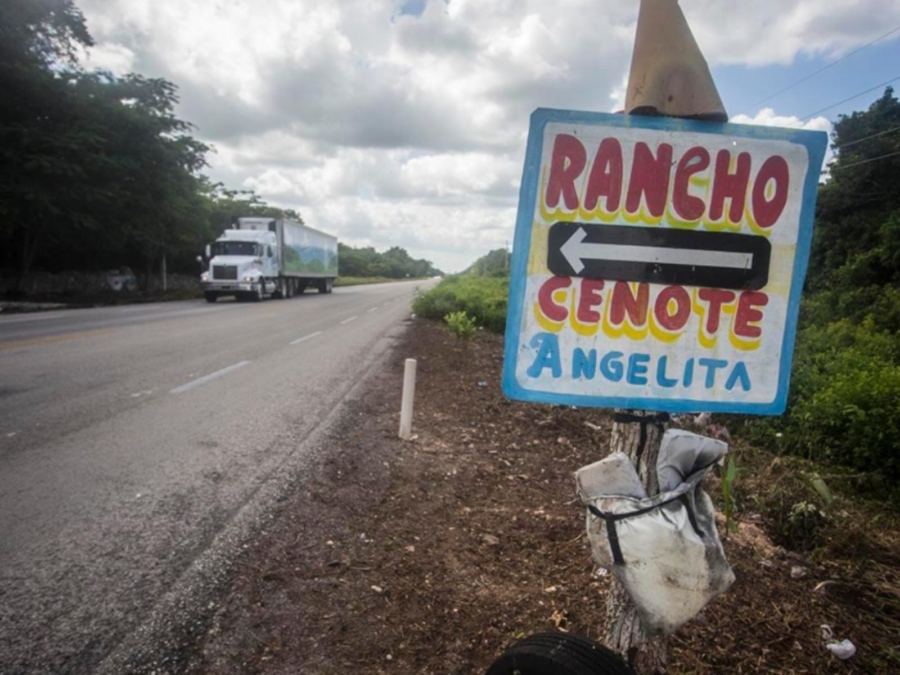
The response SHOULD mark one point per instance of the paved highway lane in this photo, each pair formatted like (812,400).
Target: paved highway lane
(131,436)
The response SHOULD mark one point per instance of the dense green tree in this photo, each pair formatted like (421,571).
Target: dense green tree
(41,32)
(96,170)
(41,141)
(224,205)
(103,168)
(857,205)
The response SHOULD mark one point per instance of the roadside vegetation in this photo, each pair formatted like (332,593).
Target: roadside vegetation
(844,404)
(480,292)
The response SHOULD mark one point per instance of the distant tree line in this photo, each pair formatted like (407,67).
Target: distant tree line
(494,264)
(395,263)
(96,171)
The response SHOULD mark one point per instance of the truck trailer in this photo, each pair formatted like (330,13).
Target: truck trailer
(273,257)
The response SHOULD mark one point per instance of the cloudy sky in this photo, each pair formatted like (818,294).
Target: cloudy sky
(392,122)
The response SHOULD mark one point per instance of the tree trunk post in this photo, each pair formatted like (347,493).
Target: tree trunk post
(639,436)
(669,77)
(164,273)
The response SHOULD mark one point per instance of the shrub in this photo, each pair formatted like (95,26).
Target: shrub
(462,325)
(481,298)
(844,404)
(854,419)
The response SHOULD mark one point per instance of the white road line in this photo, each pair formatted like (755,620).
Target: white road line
(305,337)
(352,318)
(371,310)
(207,378)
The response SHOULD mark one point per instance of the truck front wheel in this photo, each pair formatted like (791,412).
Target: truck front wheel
(210,296)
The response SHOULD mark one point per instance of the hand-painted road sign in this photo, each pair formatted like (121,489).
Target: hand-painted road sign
(659,255)
(658,263)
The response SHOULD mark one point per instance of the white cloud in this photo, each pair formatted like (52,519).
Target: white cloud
(392,129)
(110,56)
(618,94)
(765,32)
(767,118)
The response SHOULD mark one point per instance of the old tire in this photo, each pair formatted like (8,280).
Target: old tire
(558,654)
(211,297)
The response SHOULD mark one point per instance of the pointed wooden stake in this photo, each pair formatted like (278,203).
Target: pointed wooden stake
(669,76)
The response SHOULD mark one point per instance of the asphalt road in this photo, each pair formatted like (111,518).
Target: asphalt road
(130,438)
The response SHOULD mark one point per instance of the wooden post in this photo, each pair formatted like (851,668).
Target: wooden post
(669,77)
(638,435)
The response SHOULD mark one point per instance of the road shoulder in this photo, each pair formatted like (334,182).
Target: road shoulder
(427,556)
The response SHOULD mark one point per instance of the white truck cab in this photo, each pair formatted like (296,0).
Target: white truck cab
(240,262)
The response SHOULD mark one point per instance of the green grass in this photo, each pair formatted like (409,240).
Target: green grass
(483,298)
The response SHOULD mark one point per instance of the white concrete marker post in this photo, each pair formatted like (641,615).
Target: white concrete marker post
(406,403)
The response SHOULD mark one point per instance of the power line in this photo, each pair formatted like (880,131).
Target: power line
(866,138)
(820,70)
(862,93)
(862,161)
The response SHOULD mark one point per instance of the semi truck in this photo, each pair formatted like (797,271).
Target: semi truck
(275,257)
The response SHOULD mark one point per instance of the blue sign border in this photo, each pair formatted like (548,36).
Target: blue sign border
(815,143)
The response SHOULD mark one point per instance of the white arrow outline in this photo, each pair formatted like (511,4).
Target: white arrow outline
(575,250)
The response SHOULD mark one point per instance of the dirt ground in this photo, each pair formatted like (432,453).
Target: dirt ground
(433,556)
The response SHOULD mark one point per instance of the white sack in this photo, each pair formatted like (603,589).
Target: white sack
(670,566)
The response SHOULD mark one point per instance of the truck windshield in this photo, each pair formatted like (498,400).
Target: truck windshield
(235,248)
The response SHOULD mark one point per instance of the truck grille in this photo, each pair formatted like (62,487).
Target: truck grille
(225,272)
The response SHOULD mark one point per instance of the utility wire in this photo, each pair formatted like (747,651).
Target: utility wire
(860,140)
(862,93)
(820,70)
(862,161)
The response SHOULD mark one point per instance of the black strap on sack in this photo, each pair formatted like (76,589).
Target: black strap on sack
(610,518)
